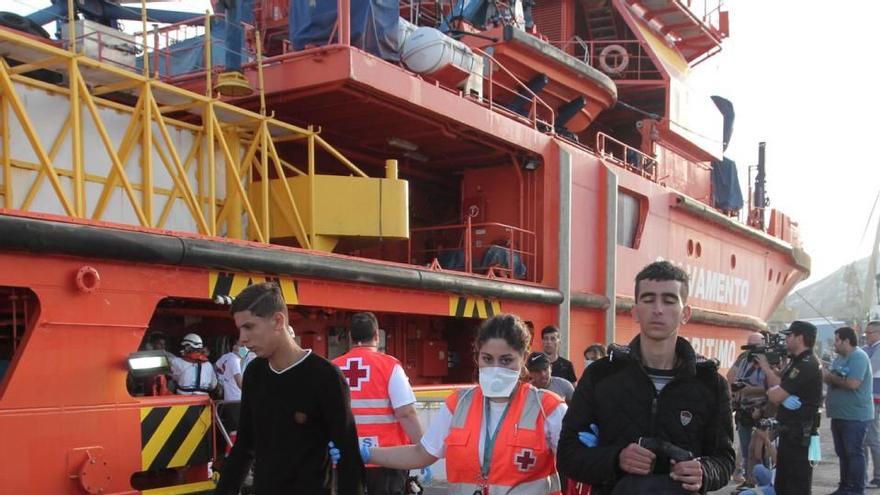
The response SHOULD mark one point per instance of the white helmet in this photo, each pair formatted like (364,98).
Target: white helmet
(193,341)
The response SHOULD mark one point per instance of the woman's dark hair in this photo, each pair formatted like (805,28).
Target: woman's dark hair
(597,348)
(508,327)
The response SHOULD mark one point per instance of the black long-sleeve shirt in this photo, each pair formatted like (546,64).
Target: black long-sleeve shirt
(563,369)
(287,419)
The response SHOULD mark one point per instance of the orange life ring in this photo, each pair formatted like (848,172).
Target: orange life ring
(619,54)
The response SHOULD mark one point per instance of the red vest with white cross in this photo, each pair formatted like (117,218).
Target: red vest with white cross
(521,457)
(368,373)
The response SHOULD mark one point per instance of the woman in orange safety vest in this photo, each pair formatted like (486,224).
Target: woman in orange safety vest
(498,438)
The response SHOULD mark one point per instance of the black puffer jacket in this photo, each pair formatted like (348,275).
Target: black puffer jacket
(692,412)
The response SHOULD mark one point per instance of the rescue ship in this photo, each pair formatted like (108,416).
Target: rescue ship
(434,162)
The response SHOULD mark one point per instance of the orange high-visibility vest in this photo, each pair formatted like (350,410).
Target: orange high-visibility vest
(522,463)
(368,373)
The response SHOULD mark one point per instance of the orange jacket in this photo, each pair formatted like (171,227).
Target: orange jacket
(368,373)
(522,463)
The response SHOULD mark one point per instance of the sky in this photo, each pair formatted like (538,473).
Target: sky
(800,79)
(799,76)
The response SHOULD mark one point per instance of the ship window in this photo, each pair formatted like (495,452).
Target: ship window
(19,308)
(629,219)
(732,261)
(690,247)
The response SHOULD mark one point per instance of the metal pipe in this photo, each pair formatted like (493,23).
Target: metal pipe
(564,251)
(208,61)
(6,161)
(610,252)
(71,26)
(344,12)
(14,299)
(144,30)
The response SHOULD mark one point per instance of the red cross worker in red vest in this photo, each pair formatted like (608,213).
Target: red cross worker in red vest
(382,401)
(498,438)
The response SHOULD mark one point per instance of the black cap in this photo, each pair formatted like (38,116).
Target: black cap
(538,361)
(798,327)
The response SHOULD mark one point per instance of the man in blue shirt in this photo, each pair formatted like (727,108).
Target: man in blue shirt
(850,406)
(872,440)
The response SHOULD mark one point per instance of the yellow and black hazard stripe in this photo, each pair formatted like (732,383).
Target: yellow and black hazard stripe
(473,307)
(175,436)
(229,285)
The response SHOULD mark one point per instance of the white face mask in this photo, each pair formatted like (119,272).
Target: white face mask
(498,382)
(243,352)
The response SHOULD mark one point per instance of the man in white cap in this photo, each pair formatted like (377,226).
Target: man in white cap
(192,372)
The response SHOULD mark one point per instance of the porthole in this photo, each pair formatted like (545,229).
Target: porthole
(732,261)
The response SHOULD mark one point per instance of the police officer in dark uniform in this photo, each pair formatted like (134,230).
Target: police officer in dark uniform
(799,392)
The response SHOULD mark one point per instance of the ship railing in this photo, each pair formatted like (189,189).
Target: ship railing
(106,47)
(179,49)
(205,173)
(541,115)
(506,251)
(707,11)
(635,65)
(626,157)
(422,13)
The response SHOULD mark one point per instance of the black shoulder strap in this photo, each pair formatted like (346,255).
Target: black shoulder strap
(198,376)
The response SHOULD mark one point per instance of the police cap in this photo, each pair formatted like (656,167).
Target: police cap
(798,327)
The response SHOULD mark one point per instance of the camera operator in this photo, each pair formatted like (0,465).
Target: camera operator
(799,392)
(748,382)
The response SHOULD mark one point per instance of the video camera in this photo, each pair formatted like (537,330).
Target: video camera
(774,349)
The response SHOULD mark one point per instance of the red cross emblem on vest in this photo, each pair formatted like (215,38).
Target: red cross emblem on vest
(525,460)
(355,372)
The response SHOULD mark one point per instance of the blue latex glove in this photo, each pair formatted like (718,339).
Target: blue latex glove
(365,454)
(590,439)
(792,403)
(427,474)
(335,455)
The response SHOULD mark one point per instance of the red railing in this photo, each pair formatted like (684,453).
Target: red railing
(625,156)
(622,59)
(519,248)
(541,115)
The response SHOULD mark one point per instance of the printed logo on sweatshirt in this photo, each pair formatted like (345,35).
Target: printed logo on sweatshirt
(685,417)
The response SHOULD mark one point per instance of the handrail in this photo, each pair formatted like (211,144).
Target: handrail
(524,236)
(640,66)
(533,114)
(633,160)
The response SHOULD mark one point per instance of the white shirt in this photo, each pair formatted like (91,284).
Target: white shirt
(434,440)
(184,374)
(228,366)
(400,392)
(250,356)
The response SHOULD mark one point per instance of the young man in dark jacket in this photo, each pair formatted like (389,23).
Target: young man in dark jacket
(656,392)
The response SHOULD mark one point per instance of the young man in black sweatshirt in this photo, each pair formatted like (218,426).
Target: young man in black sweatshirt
(293,404)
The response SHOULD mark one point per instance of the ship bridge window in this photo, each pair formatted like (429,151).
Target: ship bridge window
(631,212)
(19,308)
